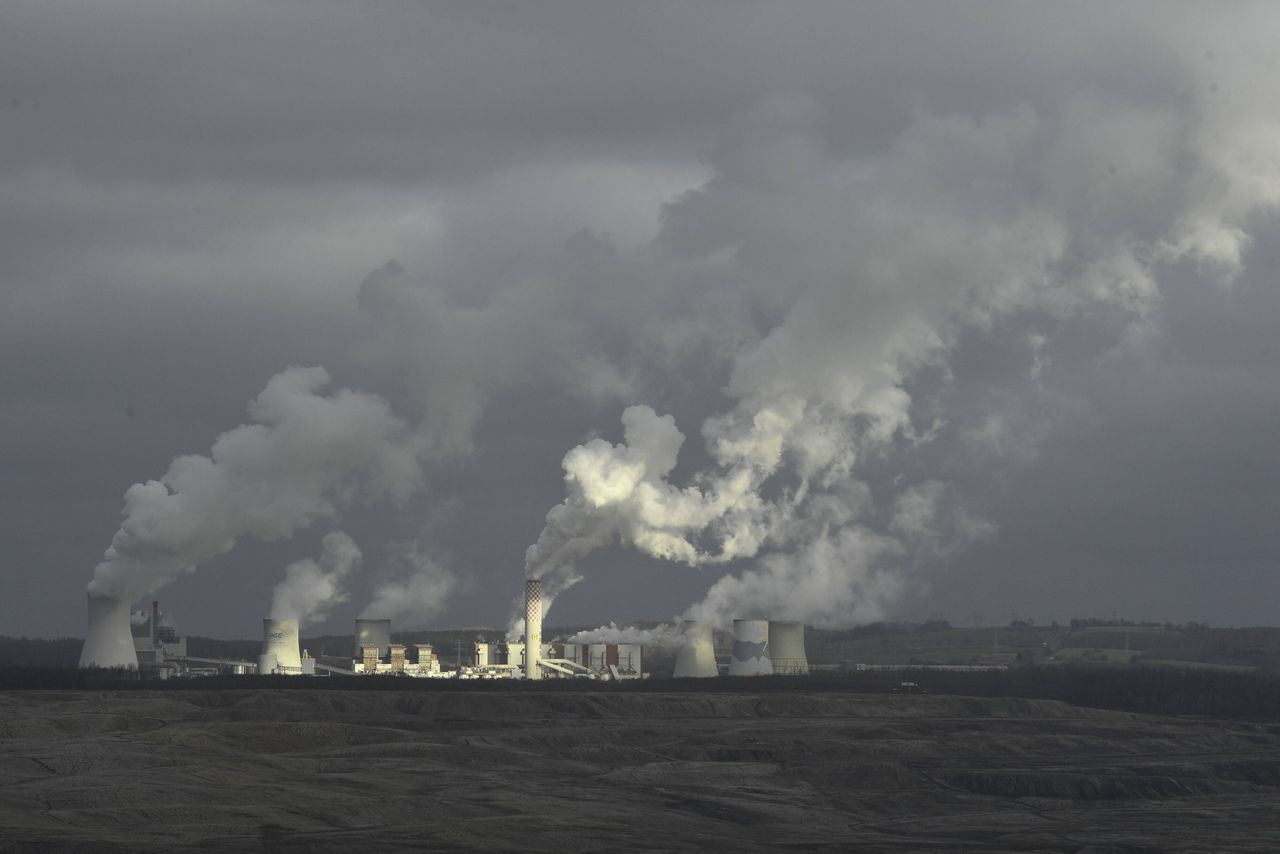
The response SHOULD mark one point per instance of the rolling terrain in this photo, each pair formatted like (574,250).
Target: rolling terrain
(455,770)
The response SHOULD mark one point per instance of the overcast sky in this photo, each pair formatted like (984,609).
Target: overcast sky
(908,308)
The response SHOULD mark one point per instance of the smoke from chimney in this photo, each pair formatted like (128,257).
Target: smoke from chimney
(895,262)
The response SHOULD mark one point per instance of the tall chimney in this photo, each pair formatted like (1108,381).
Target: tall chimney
(155,623)
(532,627)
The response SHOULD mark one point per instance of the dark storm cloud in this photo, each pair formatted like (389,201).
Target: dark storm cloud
(1005,235)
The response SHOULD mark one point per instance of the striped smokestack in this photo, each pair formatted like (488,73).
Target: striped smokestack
(532,627)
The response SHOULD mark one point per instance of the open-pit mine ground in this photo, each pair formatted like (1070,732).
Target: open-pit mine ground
(316,770)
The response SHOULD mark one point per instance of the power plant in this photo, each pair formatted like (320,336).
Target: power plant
(109,640)
(281,649)
(786,648)
(750,656)
(697,658)
(147,641)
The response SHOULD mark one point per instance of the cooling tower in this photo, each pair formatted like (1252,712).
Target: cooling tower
(280,638)
(109,640)
(697,658)
(786,648)
(750,649)
(532,627)
(369,632)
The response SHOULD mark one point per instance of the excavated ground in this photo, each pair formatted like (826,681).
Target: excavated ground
(317,771)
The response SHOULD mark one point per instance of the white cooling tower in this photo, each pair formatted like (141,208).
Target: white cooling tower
(532,627)
(697,658)
(370,632)
(280,638)
(750,649)
(786,648)
(109,640)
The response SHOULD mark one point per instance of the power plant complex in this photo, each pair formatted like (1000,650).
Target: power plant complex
(147,641)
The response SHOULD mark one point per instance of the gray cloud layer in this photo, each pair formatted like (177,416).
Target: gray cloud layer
(975,303)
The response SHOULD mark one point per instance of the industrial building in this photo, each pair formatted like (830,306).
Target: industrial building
(147,640)
(155,640)
(697,658)
(395,663)
(556,660)
(617,661)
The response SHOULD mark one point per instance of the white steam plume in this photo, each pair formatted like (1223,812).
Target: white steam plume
(661,635)
(417,591)
(302,457)
(965,224)
(311,588)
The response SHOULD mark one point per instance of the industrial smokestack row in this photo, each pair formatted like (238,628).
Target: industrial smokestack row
(786,648)
(697,658)
(532,627)
(750,655)
(280,639)
(109,641)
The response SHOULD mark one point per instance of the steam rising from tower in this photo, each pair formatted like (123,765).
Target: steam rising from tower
(303,456)
(311,588)
(697,658)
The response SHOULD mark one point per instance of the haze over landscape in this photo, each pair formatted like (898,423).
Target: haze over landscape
(833,314)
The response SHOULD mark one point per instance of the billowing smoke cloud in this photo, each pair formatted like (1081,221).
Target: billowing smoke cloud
(303,456)
(621,492)
(418,589)
(966,224)
(816,276)
(311,588)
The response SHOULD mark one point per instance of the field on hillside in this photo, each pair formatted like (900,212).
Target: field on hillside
(315,771)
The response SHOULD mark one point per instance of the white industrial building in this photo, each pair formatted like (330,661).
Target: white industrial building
(395,662)
(617,661)
(147,640)
(155,640)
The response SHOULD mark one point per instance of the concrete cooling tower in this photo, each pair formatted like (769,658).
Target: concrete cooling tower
(532,627)
(280,638)
(786,648)
(109,640)
(750,649)
(371,632)
(697,658)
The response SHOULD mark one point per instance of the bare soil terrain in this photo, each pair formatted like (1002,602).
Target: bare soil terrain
(453,770)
